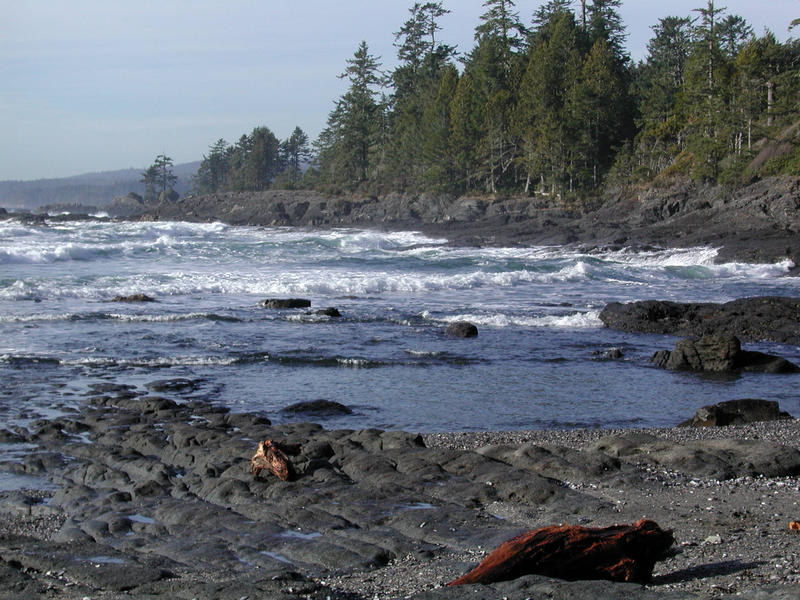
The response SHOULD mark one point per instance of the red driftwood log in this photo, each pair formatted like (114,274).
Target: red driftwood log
(272,456)
(618,553)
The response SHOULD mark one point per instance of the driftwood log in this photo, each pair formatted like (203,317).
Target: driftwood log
(619,553)
(272,456)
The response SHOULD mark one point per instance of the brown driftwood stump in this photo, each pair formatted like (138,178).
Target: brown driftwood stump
(272,456)
(618,553)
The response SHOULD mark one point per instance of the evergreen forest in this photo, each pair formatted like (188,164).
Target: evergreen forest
(545,103)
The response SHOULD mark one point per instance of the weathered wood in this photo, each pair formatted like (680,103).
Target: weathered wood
(619,553)
(272,457)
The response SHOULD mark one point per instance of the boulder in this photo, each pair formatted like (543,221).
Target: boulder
(719,354)
(331,311)
(618,553)
(736,412)
(284,303)
(462,329)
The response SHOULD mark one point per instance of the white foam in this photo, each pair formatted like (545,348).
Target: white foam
(173,361)
(578,320)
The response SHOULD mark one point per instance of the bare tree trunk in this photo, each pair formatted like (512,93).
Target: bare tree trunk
(770,101)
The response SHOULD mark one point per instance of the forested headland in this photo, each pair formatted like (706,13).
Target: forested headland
(550,104)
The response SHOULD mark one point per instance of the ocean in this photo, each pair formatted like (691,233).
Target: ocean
(537,361)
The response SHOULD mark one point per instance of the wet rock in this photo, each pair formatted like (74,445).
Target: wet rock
(9,437)
(331,311)
(285,303)
(752,319)
(736,412)
(720,354)
(461,329)
(610,353)
(317,408)
(172,385)
(619,553)
(111,388)
(133,298)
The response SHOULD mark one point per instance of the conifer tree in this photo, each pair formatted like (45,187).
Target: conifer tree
(416,80)
(294,152)
(348,145)
(213,171)
(437,148)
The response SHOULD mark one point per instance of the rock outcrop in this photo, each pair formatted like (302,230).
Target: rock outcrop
(736,412)
(771,318)
(720,354)
(757,223)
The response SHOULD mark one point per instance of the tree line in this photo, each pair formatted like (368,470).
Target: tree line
(550,105)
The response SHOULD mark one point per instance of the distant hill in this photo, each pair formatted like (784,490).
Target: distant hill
(91,189)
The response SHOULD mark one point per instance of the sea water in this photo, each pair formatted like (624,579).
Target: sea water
(537,362)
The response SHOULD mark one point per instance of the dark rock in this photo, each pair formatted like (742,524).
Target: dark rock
(610,353)
(111,388)
(751,319)
(618,553)
(284,303)
(317,408)
(717,459)
(462,329)
(720,354)
(331,311)
(172,385)
(736,412)
(133,298)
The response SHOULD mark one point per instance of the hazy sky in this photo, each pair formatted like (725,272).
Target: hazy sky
(94,85)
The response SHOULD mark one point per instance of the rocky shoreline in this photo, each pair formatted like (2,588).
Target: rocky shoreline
(141,492)
(153,497)
(759,223)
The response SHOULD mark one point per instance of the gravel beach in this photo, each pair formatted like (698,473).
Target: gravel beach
(151,498)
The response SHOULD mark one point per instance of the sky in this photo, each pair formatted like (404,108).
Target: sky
(96,85)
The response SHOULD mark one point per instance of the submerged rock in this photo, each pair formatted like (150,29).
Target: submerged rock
(284,303)
(736,412)
(133,298)
(462,329)
(331,311)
